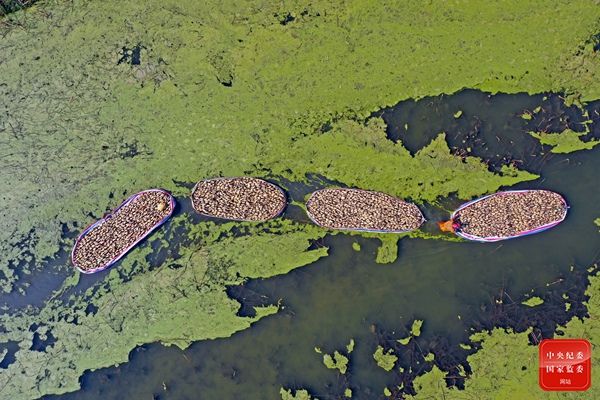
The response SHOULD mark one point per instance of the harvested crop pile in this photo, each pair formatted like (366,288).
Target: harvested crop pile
(110,238)
(508,214)
(362,210)
(241,199)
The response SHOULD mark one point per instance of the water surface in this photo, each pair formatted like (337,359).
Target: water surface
(454,287)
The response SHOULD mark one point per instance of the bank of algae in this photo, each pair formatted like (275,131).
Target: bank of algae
(566,141)
(506,366)
(188,295)
(231,89)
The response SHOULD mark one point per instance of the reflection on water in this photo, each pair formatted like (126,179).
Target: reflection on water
(453,287)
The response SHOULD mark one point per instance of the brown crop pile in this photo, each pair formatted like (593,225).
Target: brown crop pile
(120,230)
(245,199)
(362,210)
(509,214)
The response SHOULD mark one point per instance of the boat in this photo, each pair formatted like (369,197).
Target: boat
(363,211)
(238,199)
(557,205)
(165,206)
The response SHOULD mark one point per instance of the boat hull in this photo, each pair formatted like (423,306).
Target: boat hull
(491,239)
(127,249)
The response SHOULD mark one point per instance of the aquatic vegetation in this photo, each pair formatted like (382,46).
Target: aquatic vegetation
(225,89)
(388,251)
(533,301)
(181,302)
(507,365)
(155,146)
(389,167)
(337,361)
(348,393)
(280,251)
(566,141)
(597,221)
(415,331)
(300,394)
(527,116)
(385,359)
(350,346)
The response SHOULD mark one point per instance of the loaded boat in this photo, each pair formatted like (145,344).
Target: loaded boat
(362,210)
(107,240)
(507,215)
(238,199)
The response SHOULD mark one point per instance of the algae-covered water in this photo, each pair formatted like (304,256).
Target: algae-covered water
(437,103)
(455,288)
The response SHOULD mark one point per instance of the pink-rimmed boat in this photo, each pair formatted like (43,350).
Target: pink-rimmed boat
(275,214)
(315,220)
(454,226)
(107,216)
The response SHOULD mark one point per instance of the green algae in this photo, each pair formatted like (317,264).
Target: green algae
(566,141)
(458,114)
(350,346)
(389,167)
(274,95)
(387,392)
(404,341)
(337,361)
(385,359)
(81,132)
(388,251)
(173,305)
(300,394)
(348,393)
(533,301)
(415,329)
(281,251)
(506,365)
(527,116)
(597,221)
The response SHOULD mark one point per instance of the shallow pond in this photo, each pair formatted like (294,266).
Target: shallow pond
(453,287)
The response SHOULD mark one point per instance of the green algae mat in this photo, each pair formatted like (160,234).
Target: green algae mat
(99,100)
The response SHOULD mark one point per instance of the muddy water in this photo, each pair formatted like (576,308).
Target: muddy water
(453,287)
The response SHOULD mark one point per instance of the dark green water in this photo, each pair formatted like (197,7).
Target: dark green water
(453,287)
